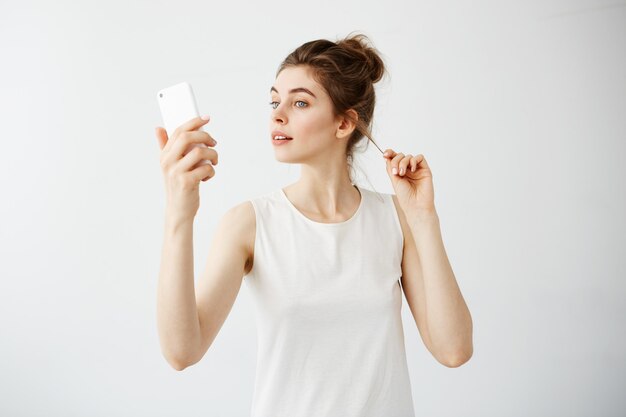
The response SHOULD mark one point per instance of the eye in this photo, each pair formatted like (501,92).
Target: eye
(274,104)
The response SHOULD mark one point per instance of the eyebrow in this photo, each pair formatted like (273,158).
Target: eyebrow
(296,90)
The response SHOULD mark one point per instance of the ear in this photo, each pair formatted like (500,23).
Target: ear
(347,126)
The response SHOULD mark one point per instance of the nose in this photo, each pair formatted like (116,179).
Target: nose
(278,115)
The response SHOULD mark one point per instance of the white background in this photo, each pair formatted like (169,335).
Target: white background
(518,106)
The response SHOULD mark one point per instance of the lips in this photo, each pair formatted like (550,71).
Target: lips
(279,133)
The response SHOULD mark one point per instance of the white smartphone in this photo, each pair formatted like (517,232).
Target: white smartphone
(178,105)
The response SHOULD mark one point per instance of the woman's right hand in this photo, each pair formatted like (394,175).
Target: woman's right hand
(183,165)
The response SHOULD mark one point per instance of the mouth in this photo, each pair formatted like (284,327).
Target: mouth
(278,141)
(280,138)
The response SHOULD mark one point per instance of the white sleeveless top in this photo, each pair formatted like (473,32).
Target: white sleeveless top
(328,301)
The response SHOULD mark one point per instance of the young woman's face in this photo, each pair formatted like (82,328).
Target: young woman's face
(302,110)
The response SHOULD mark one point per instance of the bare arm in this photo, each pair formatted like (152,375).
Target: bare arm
(441,311)
(189,318)
(447,316)
(177,315)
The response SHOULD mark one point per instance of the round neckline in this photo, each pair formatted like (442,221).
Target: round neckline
(299,213)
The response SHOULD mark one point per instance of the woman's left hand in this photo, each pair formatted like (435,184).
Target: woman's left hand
(413,182)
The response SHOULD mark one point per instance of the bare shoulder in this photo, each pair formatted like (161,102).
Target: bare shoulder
(241,220)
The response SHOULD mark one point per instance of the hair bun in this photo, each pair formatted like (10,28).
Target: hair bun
(360,45)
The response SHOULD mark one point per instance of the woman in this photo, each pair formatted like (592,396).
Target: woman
(323,257)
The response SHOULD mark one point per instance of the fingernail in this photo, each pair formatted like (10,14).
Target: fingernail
(394,171)
(205,117)
(401,171)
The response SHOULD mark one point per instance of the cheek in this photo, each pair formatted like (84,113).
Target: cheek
(314,125)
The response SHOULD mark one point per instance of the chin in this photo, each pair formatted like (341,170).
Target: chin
(286,159)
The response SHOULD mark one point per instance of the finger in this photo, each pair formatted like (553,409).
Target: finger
(389,153)
(395,162)
(403,164)
(183,144)
(189,125)
(161,135)
(421,160)
(196,157)
(203,173)
(172,153)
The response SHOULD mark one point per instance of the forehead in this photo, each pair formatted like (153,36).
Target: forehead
(293,77)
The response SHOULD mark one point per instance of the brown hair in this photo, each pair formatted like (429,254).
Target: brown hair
(347,69)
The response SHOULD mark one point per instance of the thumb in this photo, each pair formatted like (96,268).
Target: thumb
(392,177)
(388,166)
(161,135)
